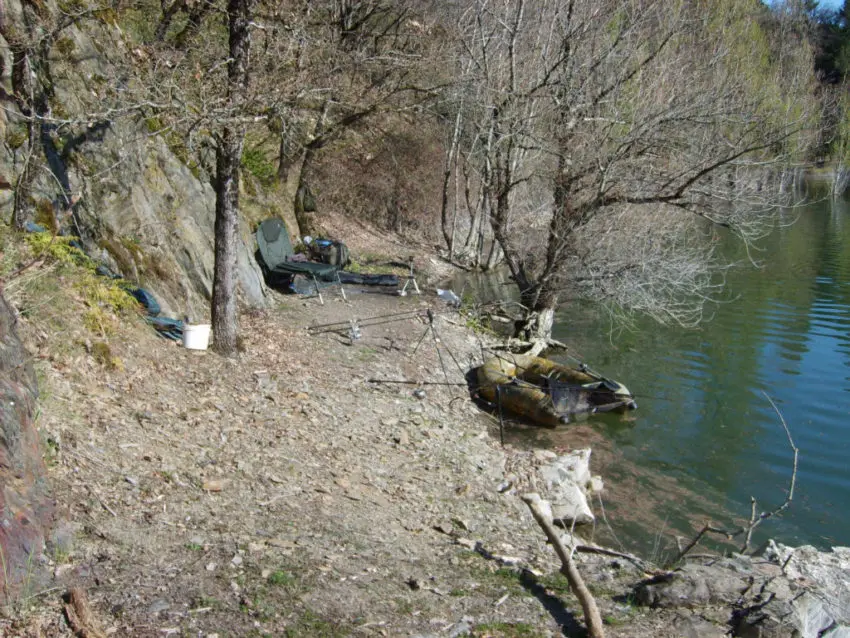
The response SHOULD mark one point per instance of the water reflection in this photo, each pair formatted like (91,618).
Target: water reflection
(705,439)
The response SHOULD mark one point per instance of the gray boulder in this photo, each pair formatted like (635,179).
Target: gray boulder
(692,586)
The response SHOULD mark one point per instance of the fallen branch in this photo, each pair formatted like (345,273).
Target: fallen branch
(80,617)
(568,568)
(592,549)
(756,519)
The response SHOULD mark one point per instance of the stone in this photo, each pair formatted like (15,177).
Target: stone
(696,627)
(825,605)
(401,438)
(543,455)
(461,628)
(690,587)
(158,606)
(214,485)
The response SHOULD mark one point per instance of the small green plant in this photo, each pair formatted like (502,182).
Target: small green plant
(310,624)
(505,630)
(254,161)
(281,578)
(206,602)
(61,556)
(366,354)
(556,583)
(194,547)
(613,621)
(16,599)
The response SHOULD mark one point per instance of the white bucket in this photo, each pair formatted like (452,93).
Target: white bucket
(196,337)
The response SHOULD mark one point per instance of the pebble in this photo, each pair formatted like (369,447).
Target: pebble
(158,606)
(402,438)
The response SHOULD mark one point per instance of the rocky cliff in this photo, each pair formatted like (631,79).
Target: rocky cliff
(138,207)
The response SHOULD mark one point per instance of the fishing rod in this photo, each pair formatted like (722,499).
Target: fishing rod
(406,382)
(363,323)
(474,386)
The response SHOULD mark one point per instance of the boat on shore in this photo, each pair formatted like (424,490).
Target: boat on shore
(546,392)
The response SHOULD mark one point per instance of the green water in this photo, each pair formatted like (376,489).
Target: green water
(704,439)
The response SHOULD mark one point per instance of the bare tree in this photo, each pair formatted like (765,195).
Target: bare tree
(614,122)
(357,60)
(229,143)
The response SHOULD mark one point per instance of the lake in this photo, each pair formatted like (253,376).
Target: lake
(705,439)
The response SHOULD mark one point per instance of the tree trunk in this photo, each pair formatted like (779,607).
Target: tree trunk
(228,157)
(224,310)
(448,234)
(305,218)
(540,302)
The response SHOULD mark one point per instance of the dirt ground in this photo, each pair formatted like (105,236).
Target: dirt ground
(281,493)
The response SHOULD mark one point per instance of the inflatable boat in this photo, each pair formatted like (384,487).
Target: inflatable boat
(547,392)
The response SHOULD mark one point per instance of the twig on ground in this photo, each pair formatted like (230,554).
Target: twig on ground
(592,549)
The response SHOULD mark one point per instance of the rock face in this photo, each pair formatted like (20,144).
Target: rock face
(25,508)
(142,210)
(158,218)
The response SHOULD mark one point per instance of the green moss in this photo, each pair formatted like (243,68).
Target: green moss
(58,248)
(254,161)
(154,124)
(16,137)
(103,297)
(58,110)
(65,46)
(72,6)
